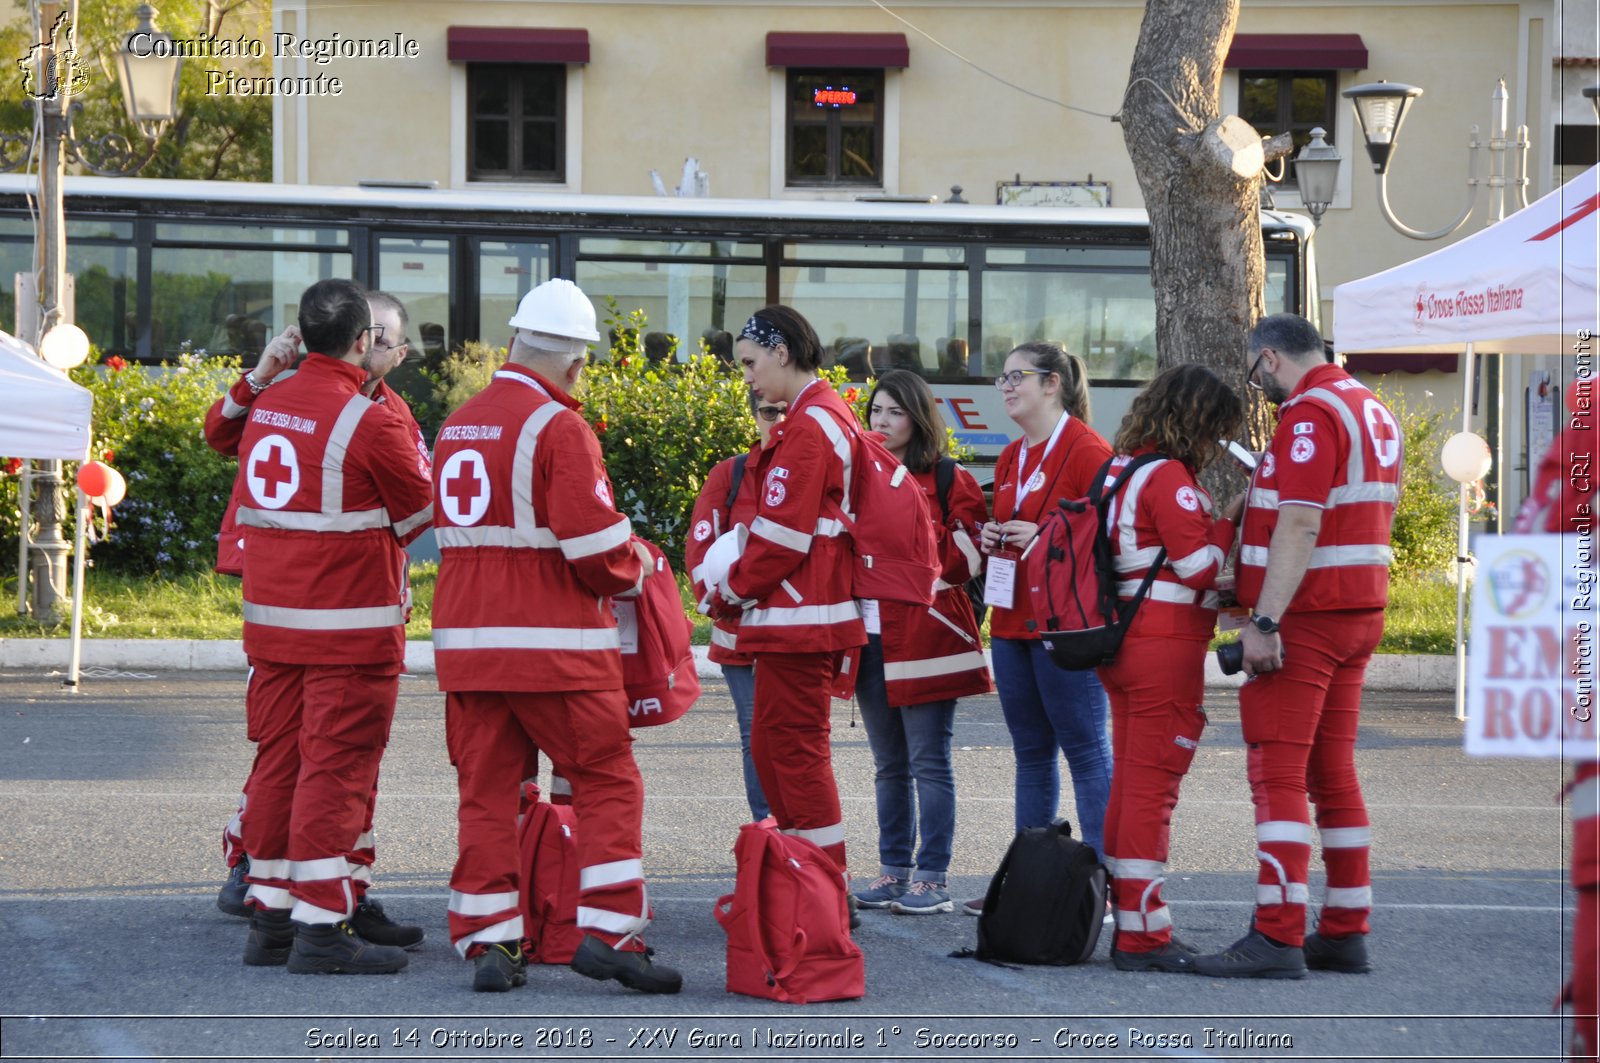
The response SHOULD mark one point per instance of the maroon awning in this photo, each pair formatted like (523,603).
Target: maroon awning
(1297,51)
(838,50)
(514,44)
(1401,363)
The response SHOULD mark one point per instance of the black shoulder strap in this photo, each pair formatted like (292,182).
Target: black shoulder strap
(738,478)
(1100,497)
(944,477)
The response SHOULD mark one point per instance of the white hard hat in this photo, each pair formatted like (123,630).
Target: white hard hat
(558,308)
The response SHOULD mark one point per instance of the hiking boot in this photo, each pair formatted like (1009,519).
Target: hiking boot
(230,898)
(972,907)
(338,949)
(923,898)
(1347,955)
(883,890)
(371,923)
(271,938)
(499,967)
(1174,957)
(1253,956)
(595,959)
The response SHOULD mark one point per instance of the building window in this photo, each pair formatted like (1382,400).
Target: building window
(518,121)
(1288,101)
(835,127)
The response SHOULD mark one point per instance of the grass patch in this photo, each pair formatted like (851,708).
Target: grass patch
(1421,617)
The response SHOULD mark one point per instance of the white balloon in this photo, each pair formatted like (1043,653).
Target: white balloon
(116,489)
(65,346)
(1466,457)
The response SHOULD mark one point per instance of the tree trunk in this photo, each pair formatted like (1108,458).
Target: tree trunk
(1200,175)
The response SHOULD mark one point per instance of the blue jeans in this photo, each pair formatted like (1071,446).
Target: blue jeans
(742,686)
(1047,709)
(910,744)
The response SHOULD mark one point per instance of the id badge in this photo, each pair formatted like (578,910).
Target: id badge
(1000,580)
(627,614)
(869,616)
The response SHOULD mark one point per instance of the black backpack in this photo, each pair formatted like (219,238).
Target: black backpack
(1046,903)
(738,478)
(944,476)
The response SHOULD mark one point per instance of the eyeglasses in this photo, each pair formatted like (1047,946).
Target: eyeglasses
(377,332)
(1250,377)
(1013,379)
(404,342)
(769,414)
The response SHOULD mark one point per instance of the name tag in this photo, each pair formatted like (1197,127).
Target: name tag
(1000,581)
(869,616)
(627,614)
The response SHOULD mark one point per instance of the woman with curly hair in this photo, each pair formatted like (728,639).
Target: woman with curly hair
(1156,683)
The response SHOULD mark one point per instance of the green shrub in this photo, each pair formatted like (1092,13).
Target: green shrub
(1425,521)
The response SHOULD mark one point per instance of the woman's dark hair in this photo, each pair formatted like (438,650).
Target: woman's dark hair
(799,336)
(1053,358)
(1182,413)
(912,394)
(332,314)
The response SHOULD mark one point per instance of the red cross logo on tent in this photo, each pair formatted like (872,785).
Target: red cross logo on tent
(273,471)
(1384,432)
(464,488)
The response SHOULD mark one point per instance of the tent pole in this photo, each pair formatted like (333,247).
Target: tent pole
(24,498)
(85,514)
(1468,362)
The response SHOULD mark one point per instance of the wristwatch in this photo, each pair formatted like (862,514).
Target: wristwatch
(1265,624)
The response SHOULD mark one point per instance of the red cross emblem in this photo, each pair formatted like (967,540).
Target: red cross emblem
(1384,432)
(464,488)
(273,471)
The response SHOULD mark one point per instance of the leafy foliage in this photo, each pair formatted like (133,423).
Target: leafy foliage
(1425,521)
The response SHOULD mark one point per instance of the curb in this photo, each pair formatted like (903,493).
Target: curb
(1386,672)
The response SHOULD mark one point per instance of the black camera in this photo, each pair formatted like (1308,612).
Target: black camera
(1230,657)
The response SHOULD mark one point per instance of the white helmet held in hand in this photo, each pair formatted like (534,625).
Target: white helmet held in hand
(557,308)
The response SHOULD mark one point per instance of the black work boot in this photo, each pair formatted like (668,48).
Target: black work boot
(1174,957)
(1347,955)
(230,898)
(271,938)
(338,949)
(1253,956)
(595,959)
(499,967)
(371,923)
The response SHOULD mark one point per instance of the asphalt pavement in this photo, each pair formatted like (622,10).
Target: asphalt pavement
(112,946)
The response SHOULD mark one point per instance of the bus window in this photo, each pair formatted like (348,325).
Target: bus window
(506,271)
(688,301)
(1106,318)
(417,272)
(230,300)
(874,319)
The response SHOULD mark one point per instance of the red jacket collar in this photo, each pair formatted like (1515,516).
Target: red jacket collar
(553,390)
(1316,378)
(344,372)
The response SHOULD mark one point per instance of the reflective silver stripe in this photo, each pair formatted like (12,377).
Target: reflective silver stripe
(1293,893)
(1127,509)
(311,915)
(232,410)
(474,905)
(788,589)
(523,518)
(609,922)
(416,520)
(841,446)
(802,615)
(1253,555)
(509,930)
(969,550)
(727,640)
(319,870)
(274,869)
(526,638)
(613,874)
(1372,491)
(1586,799)
(1135,869)
(829,528)
(1349,897)
(1341,556)
(820,836)
(1196,562)
(1355,467)
(299,520)
(366,840)
(1263,498)
(1138,560)
(1148,922)
(1283,830)
(324,619)
(933,666)
(1160,591)
(361,873)
(269,896)
(1346,837)
(773,532)
(344,430)
(495,535)
(580,546)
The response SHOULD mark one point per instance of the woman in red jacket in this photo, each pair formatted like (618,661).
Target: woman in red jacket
(918,660)
(793,579)
(1157,682)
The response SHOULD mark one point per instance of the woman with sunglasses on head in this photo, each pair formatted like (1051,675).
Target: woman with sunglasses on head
(728,498)
(792,581)
(1157,682)
(1046,709)
(918,660)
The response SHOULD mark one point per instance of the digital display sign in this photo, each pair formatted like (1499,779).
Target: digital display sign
(832,97)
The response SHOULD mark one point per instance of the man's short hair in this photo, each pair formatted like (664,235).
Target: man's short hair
(389,302)
(1290,335)
(332,314)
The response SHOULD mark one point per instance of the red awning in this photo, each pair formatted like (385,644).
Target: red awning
(838,49)
(1402,363)
(1297,51)
(509,44)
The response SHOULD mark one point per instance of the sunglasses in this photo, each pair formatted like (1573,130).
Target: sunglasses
(769,414)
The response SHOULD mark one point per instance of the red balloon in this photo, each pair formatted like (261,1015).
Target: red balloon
(94,477)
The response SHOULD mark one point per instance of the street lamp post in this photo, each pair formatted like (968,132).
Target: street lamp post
(150,90)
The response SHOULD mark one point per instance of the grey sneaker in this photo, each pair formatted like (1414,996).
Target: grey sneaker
(1347,955)
(1253,956)
(923,898)
(1174,957)
(883,890)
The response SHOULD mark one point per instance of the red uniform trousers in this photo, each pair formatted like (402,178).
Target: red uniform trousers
(1585,985)
(493,738)
(1300,725)
(789,742)
(1156,687)
(320,731)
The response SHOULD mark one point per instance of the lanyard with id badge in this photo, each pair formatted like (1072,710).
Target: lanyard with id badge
(1000,581)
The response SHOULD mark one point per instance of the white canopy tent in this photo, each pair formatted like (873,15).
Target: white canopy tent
(1525,285)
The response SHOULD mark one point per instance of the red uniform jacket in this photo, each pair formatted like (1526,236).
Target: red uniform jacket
(331,488)
(933,652)
(1064,471)
(531,545)
(1338,448)
(794,574)
(1161,505)
(224,427)
(711,518)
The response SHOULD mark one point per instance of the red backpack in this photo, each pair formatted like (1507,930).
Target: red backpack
(1072,579)
(658,670)
(891,534)
(549,848)
(788,923)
